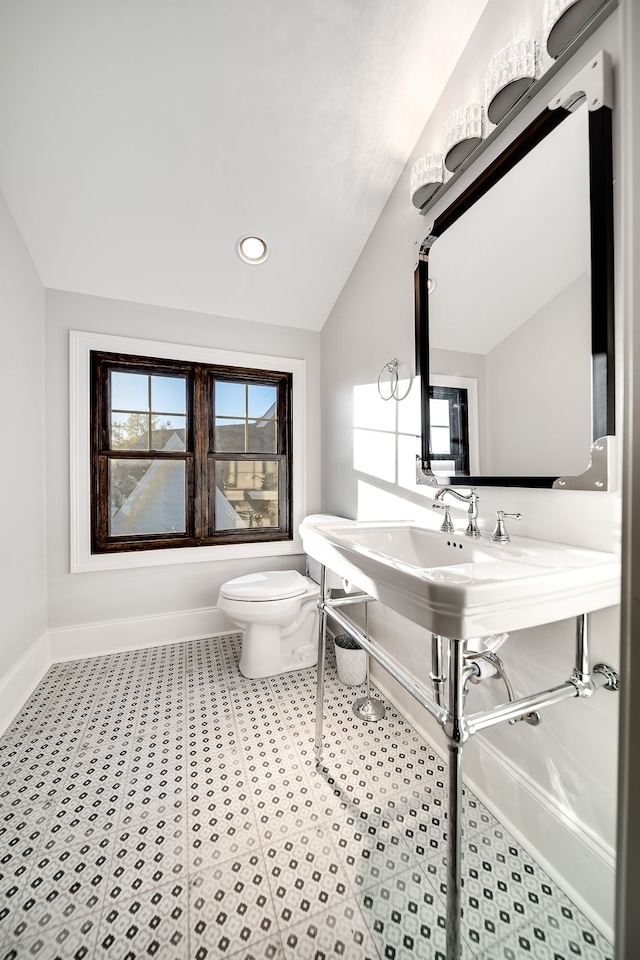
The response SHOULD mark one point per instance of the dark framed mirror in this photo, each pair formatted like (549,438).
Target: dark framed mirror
(515,311)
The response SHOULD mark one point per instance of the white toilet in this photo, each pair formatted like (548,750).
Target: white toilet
(277,612)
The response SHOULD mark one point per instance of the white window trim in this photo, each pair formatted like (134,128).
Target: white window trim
(80,347)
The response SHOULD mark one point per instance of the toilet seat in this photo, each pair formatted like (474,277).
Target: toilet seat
(269,585)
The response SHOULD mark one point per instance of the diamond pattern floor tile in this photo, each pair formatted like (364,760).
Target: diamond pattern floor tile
(231,907)
(405,917)
(338,932)
(559,932)
(65,885)
(153,924)
(305,875)
(156,803)
(73,940)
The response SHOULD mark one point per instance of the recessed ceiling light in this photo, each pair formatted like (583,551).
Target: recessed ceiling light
(252,249)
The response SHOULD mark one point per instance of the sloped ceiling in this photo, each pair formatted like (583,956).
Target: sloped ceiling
(141,139)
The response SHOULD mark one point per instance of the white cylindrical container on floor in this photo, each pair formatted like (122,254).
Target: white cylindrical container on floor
(351,661)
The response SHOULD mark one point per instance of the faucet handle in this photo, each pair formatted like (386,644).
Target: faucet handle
(500,534)
(447,526)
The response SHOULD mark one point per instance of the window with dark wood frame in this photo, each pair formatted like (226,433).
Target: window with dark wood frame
(187,454)
(449,440)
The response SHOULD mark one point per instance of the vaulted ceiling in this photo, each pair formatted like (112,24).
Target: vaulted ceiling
(141,139)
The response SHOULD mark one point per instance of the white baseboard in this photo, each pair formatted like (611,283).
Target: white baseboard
(136,633)
(96,639)
(574,857)
(19,683)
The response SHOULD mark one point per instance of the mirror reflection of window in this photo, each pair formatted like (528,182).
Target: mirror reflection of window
(449,442)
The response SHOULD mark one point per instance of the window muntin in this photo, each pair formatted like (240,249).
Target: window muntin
(217,459)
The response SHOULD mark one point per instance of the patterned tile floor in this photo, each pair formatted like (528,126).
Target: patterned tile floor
(157,804)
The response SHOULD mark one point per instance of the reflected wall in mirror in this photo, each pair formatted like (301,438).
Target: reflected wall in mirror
(522,306)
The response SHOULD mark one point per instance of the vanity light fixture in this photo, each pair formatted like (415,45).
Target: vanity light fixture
(463,132)
(252,249)
(510,72)
(563,21)
(427,175)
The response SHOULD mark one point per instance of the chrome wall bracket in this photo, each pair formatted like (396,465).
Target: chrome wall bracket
(597,476)
(612,680)
(424,474)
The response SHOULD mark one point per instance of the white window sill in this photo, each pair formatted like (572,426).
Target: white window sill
(89,562)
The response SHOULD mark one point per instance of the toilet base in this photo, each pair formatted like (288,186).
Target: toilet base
(267,651)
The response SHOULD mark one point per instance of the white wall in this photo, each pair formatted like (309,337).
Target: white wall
(84,599)
(537,379)
(23,596)
(554,784)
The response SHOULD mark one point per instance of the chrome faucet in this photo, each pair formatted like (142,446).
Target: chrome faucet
(500,534)
(472,499)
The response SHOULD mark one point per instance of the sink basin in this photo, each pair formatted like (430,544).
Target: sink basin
(459,587)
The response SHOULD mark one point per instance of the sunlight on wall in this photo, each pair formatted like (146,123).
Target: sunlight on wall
(374,453)
(374,429)
(386,437)
(377,504)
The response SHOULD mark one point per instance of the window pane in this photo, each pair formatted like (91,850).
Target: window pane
(168,395)
(168,433)
(146,496)
(129,431)
(229,435)
(261,436)
(439,413)
(262,401)
(246,494)
(440,440)
(129,391)
(230,399)
(446,467)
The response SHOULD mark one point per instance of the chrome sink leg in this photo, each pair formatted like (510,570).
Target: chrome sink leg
(438,673)
(457,733)
(368,708)
(322,650)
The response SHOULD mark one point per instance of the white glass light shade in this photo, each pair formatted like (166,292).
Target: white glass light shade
(511,70)
(563,21)
(427,174)
(463,132)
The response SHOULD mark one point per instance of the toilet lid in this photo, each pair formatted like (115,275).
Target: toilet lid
(272,585)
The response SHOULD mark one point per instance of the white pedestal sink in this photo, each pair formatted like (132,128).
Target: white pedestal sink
(461,589)
(464,588)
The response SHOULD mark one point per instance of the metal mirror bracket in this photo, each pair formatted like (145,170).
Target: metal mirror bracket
(595,85)
(597,476)
(594,81)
